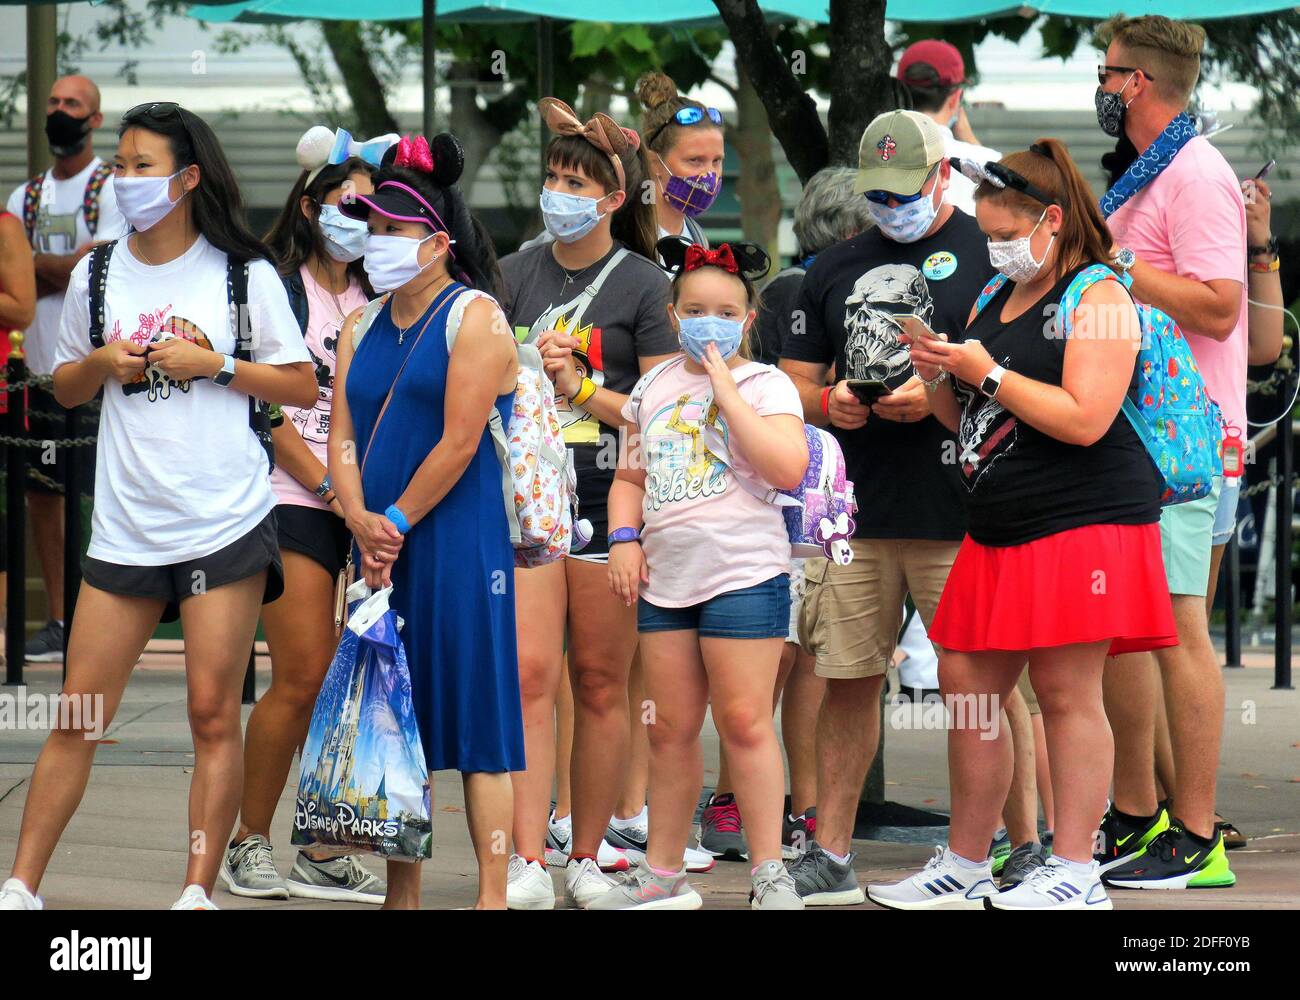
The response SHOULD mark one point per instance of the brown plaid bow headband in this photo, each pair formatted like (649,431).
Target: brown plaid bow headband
(602,132)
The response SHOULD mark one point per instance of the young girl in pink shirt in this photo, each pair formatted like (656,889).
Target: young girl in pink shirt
(707,564)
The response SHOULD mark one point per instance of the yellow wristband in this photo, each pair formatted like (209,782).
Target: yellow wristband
(1273,265)
(584,393)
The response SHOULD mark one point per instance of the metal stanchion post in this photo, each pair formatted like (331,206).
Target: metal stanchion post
(1232,600)
(16,515)
(1282,601)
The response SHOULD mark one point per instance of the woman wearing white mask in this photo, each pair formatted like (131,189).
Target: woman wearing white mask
(1062,564)
(318,252)
(184,521)
(596,306)
(415,469)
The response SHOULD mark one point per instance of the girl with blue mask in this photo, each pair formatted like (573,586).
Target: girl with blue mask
(318,253)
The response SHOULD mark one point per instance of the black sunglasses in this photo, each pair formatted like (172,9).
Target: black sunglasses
(882,197)
(1103,71)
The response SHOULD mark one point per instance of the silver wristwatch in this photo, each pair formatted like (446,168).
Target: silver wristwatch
(1124,259)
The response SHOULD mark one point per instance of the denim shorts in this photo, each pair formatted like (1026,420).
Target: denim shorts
(758,612)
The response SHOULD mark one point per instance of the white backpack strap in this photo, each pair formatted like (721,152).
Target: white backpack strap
(643,383)
(713,440)
(367,318)
(497,429)
(580,304)
(457,313)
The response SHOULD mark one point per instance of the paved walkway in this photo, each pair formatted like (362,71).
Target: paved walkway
(125,847)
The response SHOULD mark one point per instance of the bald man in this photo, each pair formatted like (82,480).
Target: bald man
(64,211)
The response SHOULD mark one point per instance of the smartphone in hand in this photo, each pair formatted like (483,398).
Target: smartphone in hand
(867,390)
(916,328)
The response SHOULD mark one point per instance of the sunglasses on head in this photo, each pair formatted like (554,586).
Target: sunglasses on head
(879,197)
(688,116)
(1104,71)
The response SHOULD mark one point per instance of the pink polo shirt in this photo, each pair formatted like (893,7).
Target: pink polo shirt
(1191,221)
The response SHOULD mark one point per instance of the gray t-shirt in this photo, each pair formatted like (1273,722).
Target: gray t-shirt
(626,321)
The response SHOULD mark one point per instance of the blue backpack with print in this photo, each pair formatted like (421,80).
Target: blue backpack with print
(1170,409)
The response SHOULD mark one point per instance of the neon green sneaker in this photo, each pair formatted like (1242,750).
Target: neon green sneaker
(1118,841)
(1173,860)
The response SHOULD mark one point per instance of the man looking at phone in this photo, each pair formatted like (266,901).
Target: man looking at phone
(925,260)
(1179,222)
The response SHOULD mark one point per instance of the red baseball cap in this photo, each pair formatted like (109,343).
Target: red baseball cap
(932,63)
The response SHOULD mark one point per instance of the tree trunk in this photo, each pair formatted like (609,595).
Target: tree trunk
(760,195)
(861,87)
(791,112)
(364,88)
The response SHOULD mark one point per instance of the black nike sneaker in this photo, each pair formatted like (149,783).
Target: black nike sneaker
(1120,840)
(1174,860)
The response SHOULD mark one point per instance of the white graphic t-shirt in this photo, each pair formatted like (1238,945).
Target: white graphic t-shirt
(179,473)
(325,315)
(703,535)
(61,229)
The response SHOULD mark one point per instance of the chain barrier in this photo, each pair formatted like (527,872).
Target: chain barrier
(1270,482)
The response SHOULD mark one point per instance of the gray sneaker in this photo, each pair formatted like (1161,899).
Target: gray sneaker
(249,870)
(822,881)
(46,646)
(341,879)
(774,889)
(642,889)
(1021,863)
(721,833)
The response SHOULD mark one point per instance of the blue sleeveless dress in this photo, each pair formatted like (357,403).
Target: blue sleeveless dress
(453,582)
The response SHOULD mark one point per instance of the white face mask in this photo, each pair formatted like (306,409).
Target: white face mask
(1015,258)
(144,201)
(906,223)
(345,237)
(392,261)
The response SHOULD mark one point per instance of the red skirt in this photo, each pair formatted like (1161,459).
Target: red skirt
(1101,581)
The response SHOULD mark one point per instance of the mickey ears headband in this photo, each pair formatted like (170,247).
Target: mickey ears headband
(998,176)
(680,255)
(321,147)
(601,131)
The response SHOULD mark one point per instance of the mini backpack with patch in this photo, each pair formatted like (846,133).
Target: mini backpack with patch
(1171,411)
(538,482)
(818,512)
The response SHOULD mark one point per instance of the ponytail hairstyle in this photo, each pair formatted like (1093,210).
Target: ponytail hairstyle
(472,258)
(217,207)
(1084,236)
(294,238)
(658,94)
(634,223)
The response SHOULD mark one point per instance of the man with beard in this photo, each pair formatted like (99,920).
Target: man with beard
(922,259)
(65,210)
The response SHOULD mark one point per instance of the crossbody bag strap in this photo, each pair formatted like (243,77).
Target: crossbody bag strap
(583,300)
(443,301)
(97,277)
(713,440)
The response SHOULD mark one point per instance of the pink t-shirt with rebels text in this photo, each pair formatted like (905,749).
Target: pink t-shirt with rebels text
(325,316)
(1191,221)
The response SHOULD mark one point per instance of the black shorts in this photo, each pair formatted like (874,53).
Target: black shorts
(320,535)
(593,496)
(47,421)
(242,558)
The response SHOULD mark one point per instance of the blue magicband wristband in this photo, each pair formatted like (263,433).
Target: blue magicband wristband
(398,519)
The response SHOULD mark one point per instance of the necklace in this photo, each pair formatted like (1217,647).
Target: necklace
(572,276)
(338,306)
(403,330)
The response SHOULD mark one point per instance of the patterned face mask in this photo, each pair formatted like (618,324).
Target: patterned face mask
(1111,109)
(906,223)
(693,195)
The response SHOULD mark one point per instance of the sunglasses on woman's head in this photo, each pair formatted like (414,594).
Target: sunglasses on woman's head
(155,110)
(880,197)
(688,116)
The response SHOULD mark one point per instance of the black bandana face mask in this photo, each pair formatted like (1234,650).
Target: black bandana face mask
(1110,110)
(66,135)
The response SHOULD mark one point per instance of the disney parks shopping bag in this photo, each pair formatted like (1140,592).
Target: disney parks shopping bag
(364,785)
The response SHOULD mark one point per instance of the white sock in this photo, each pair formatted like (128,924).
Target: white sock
(562,820)
(1078,867)
(837,858)
(966,863)
(625,824)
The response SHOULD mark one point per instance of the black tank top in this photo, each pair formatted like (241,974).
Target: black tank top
(1022,483)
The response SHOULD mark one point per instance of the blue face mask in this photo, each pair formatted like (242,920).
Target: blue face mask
(569,217)
(906,223)
(697,332)
(345,237)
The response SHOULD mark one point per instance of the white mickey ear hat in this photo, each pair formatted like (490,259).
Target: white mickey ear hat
(321,146)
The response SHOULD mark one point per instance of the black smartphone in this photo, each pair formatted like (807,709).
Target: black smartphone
(1266,170)
(867,390)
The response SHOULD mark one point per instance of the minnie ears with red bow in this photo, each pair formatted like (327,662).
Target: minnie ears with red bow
(442,157)
(681,255)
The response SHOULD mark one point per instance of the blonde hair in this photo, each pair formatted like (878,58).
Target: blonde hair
(1169,51)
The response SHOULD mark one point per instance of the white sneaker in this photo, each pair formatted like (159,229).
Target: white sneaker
(559,838)
(528,886)
(774,888)
(699,862)
(941,885)
(194,898)
(611,859)
(584,881)
(632,837)
(16,896)
(1055,887)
